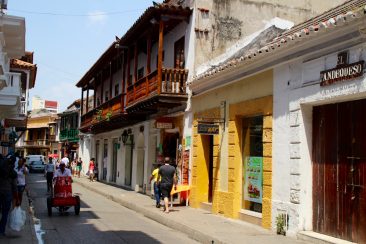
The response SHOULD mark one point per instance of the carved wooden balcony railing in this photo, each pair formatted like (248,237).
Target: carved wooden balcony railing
(173,83)
(104,112)
(38,142)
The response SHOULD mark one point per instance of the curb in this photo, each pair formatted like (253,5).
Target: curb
(190,232)
(30,219)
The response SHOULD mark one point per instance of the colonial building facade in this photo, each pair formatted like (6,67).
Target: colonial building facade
(219,129)
(290,145)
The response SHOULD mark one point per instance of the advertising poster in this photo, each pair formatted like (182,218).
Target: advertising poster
(253,179)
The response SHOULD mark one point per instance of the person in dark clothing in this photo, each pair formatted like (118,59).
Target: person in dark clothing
(167,179)
(8,189)
(49,169)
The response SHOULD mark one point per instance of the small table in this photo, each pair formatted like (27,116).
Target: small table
(179,189)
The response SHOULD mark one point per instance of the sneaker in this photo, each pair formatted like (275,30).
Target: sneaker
(158,205)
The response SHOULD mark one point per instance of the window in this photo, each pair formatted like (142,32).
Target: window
(179,61)
(140,73)
(116,90)
(106,96)
(253,163)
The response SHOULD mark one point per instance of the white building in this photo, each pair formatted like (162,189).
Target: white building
(319,133)
(39,103)
(12,44)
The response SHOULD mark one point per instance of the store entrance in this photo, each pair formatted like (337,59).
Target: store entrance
(339,170)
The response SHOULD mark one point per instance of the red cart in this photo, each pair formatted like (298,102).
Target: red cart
(62,197)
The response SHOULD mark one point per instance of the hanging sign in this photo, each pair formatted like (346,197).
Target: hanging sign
(343,71)
(253,179)
(208,129)
(164,123)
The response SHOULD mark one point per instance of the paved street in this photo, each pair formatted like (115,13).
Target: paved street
(100,221)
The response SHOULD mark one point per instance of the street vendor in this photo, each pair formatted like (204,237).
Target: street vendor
(62,171)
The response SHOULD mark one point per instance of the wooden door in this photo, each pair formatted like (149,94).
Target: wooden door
(339,170)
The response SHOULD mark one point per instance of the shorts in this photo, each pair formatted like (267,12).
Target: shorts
(78,168)
(21,189)
(165,189)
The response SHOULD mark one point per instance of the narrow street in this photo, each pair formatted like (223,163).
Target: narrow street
(100,220)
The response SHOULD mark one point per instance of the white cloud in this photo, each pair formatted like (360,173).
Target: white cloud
(97,17)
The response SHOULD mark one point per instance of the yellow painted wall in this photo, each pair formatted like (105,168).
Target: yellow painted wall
(262,106)
(247,97)
(199,189)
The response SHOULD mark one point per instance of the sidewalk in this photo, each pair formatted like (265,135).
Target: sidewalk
(198,224)
(27,234)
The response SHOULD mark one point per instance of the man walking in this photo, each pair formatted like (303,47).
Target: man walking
(155,176)
(65,160)
(49,171)
(167,174)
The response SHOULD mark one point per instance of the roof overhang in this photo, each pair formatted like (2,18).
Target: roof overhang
(143,24)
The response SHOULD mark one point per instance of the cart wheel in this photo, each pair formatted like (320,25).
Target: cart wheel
(77,206)
(49,206)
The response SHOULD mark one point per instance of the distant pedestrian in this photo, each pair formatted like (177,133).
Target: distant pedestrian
(79,166)
(155,176)
(91,169)
(73,167)
(49,170)
(167,174)
(57,164)
(8,189)
(22,171)
(65,160)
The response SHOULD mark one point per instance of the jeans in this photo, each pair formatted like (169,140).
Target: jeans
(157,193)
(5,203)
(49,176)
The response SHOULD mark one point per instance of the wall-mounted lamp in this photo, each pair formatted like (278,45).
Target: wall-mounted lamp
(124,137)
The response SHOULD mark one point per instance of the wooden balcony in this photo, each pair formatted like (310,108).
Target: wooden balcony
(103,113)
(148,95)
(39,143)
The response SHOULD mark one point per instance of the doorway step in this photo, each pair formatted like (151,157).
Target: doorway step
(318,238)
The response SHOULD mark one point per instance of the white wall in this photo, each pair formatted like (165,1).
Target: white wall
(296,91)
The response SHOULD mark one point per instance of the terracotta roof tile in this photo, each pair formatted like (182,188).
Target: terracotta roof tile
(17,63)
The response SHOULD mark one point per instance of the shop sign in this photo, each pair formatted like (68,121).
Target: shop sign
(164,123)
(343,71)
(187,142)
(208,129)
(253,179)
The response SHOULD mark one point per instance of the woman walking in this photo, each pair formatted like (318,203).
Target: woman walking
(91,169)
(21,172)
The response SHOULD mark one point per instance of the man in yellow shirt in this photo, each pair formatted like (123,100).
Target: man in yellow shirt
(155,176)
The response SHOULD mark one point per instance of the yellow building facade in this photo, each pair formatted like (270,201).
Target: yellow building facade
(219,162)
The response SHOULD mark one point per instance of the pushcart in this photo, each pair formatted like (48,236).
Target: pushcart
(62,197)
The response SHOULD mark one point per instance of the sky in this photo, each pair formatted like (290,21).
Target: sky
(68,36)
